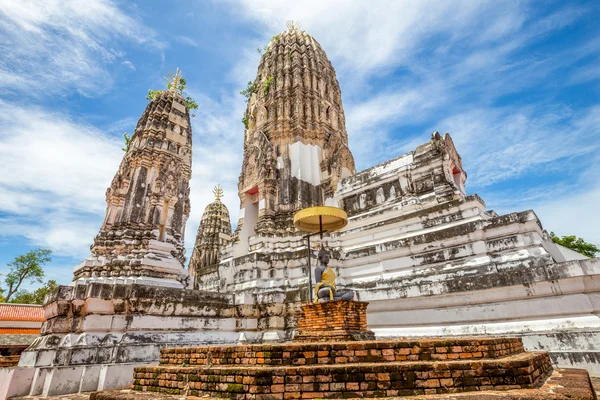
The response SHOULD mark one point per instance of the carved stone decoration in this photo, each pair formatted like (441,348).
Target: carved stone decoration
(214,232)
(141,238)
(296,83)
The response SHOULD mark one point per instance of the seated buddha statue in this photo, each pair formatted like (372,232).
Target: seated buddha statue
(325,289)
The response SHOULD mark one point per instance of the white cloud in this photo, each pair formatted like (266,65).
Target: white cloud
(363,37)
(129,65)
(55,174)
(187,41)
(55,46)
(499,144)
(217,156)
(573,214)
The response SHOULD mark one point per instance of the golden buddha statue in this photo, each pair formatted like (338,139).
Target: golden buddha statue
(325,289)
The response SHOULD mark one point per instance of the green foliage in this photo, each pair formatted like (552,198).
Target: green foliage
(247,93)
(37,296)
(267,85)
(577,244)
(245,120)
(191,104)
(153,94)
(26,267)
(181,86)
(127,142)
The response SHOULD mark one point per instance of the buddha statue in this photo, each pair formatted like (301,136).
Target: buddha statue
(325,277)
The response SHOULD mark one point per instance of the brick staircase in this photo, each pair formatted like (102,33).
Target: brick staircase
(345,369)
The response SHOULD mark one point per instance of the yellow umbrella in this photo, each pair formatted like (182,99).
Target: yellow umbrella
(317,220)
(320,218)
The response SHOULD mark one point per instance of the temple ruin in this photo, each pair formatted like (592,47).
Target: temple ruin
(431,260)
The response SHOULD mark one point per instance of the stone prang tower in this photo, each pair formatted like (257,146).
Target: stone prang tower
(296,145)
(213,233)
(141,238)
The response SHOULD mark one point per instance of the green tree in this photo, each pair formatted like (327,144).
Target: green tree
(26,267)
(37,296)
(577,244)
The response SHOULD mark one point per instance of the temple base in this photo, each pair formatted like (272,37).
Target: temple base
(338,320)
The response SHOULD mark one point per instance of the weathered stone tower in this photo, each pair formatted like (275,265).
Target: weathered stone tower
(296,145)
(213,233)
(141,238)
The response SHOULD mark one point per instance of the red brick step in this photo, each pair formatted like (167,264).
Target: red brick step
(343,352)
(398,378)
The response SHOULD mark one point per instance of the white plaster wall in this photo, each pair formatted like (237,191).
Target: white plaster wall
(305,162)
(250,214)
(15,382)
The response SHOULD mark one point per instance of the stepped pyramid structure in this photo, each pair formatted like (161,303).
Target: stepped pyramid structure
(429,258)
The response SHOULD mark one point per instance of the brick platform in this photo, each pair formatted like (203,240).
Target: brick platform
(339,320)
(345,369)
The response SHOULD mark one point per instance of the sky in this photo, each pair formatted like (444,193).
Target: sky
(515,83)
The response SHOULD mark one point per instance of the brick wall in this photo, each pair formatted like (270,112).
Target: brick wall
(333,320)
(342,353)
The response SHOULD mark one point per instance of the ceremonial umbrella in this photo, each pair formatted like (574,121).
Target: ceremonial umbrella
(319,219)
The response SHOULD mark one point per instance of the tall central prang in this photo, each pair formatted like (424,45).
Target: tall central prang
(296,145)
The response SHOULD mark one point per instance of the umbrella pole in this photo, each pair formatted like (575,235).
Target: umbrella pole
(310,292)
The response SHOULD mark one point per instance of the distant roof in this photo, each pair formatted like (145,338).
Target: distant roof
(17,340)
(21,312)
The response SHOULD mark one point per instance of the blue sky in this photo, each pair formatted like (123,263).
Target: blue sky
(516,84)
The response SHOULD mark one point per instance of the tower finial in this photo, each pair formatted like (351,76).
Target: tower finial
(173,81)
(218,192)
(293,25)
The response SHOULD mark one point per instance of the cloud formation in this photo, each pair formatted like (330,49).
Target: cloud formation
(56,171)
(479,70)
(55,46)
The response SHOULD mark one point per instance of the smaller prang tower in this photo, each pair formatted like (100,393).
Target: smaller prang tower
(213,233)
(141,238)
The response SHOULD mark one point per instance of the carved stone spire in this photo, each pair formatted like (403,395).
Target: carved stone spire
(141,238)
(213,233)
(296,145)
